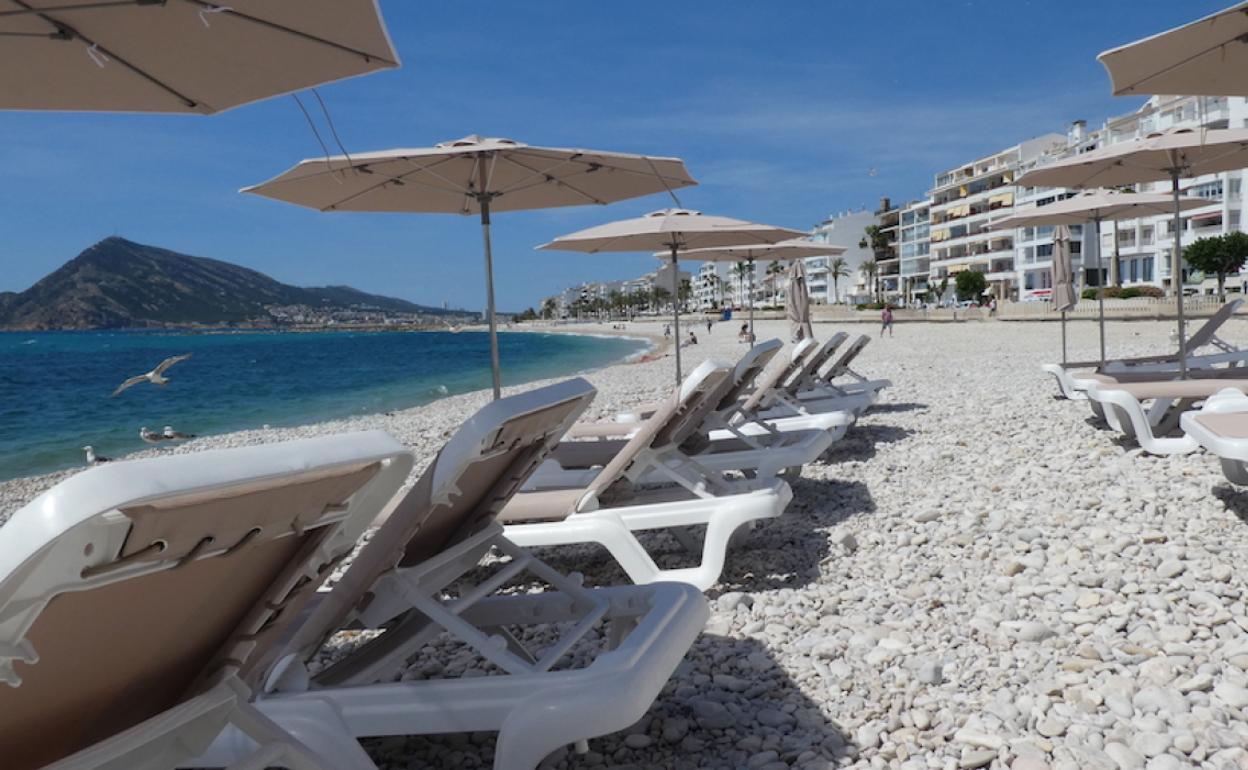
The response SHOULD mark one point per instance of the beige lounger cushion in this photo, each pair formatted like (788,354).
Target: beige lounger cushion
(1226,425)
(1179,388)
(1169,375)
(601,429)
(115,655)
(542,505)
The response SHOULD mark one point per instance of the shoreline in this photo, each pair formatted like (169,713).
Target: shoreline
(17,491)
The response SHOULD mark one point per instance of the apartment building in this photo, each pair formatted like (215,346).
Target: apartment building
(962,203)
(914,247)
(845,229)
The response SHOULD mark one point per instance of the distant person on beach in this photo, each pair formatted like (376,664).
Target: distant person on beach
(886,321)
(693,340)
(708,326)
(744,335)
(667,332)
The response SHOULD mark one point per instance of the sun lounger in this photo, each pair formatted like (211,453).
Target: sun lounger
(841,378)
(1221,427)
(1124,402)
(1072,383)
(724,440)
(421,582)
(606,491)
(134,598)
(782,393)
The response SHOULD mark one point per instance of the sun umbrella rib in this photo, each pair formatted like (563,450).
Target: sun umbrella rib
(603,163)
(288,30)
(401,179)
(538,178)
(67,30)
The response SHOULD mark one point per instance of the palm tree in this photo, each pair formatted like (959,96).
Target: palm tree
(717,286)
(549,307)
(741,271)
(870,269)
(838,268)
(774,271)
(686,291)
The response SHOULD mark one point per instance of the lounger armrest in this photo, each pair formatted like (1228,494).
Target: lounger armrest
(602,430)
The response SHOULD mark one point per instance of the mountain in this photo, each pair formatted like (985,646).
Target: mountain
(118,283)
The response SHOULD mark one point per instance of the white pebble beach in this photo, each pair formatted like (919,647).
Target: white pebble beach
(975,576)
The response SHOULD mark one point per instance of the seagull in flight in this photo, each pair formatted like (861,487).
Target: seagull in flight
(172,435)
(93,458)
(155,376)
(151,436)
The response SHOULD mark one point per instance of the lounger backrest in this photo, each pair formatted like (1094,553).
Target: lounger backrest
(777,377)
(842,364)
(752,364)
(1209,329)
(132,587)
(474,475)
(670,425)
(814,362)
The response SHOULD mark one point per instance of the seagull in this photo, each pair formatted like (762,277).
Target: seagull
(453,328)
(93,458)
(155,376)
(173,435)
(151,436)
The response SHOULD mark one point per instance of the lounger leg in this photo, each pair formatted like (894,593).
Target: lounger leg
(1235,471)
(319,741)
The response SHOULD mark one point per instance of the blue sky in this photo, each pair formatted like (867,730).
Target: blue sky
(784,112)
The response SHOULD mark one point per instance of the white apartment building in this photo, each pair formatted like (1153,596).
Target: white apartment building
(964,200)
(914,247)
(845,229)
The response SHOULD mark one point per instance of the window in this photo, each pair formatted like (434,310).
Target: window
(1146,235)
(1134,264)
(1044,250)
(1147,268)
(1076,247)
(1232,220)
(1234,188)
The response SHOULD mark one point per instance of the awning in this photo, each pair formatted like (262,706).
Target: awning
(1005,199)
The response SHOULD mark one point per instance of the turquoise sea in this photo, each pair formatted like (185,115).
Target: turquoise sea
(55,386)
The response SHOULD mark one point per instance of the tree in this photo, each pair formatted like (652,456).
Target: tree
(838,268)
(870,269)
(741,271)
(970,284)
(1220,254)
(686,291)
(874,239)
(549,308)
(777,271)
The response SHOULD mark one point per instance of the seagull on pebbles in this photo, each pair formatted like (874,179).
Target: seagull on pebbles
(172,435)
(93,458)
(155,376)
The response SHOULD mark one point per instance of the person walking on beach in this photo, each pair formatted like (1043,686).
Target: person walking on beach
(667,331)
(886,320)
(708,326)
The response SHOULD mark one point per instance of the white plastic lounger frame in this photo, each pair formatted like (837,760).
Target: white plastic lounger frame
(534,710)
(421,576)
(1073,387)
(1124,408)
(840,380)
(134,597)
(1220,427)
(650,484)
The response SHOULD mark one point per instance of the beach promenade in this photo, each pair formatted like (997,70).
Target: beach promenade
(975,577)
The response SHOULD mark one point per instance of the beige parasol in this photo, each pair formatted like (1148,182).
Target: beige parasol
(474,175)
(186,56)
(1206,57)
(797,303)
(674,230)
